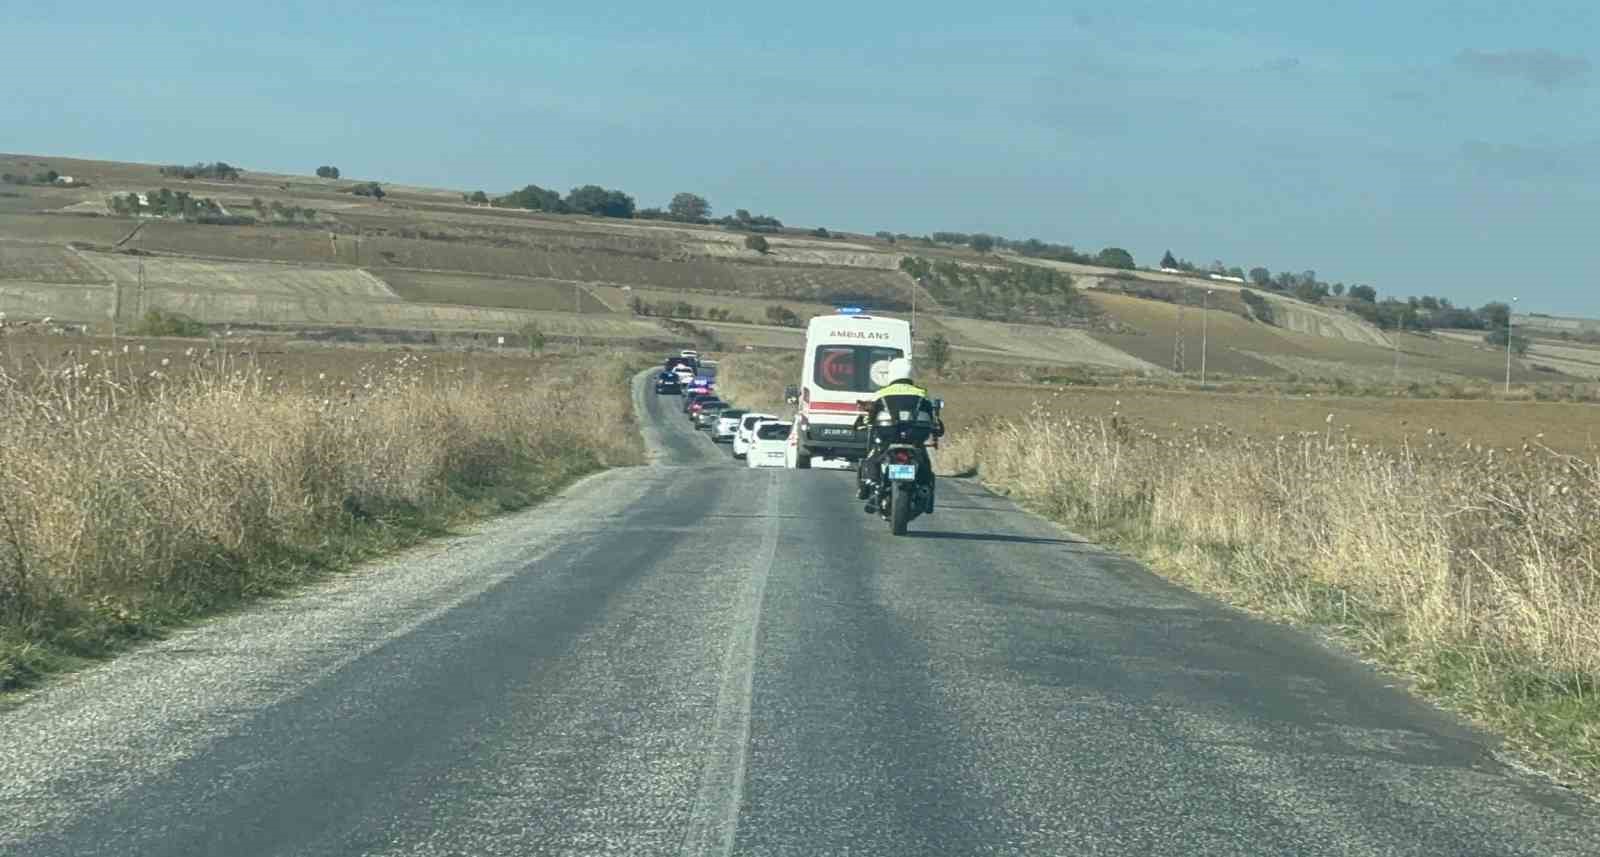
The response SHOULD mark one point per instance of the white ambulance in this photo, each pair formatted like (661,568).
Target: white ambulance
(847,355)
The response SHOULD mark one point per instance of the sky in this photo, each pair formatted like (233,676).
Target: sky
(1446,148)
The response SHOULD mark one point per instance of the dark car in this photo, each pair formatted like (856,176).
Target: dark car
(667,383)
(705,413)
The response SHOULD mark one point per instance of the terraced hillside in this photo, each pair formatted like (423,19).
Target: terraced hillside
(1237,346)
(421,257)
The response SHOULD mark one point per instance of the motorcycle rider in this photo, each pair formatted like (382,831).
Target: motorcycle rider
(900,395)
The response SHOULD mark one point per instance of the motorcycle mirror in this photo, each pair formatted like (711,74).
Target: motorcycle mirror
(938,405)
(791,394)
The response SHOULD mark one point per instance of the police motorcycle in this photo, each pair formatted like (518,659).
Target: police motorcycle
(903,429)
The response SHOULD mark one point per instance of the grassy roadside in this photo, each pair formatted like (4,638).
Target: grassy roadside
(1472,572)
(134,499)
(756,381)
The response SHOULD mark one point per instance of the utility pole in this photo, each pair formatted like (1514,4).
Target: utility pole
(1205,307)
(1394,341)
(1177,341)
(1509,313)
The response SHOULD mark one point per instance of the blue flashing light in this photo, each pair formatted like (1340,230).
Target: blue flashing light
(851,310)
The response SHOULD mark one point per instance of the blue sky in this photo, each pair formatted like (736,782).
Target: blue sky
(1447,148)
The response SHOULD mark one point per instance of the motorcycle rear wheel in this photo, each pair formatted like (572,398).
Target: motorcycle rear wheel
(900,509)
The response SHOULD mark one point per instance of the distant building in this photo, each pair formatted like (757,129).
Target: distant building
(65,180)
(1226,278)
(1172,271)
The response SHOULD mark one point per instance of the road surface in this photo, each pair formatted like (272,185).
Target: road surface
(692,658)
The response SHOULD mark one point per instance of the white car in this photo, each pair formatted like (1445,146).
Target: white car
(769,444)
(727,426)
(747,426)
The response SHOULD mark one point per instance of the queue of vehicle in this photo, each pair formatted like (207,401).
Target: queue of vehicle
(856,404)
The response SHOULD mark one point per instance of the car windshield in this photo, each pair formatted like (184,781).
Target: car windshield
(773,431)
(750,420)
(732,415)
(848,368)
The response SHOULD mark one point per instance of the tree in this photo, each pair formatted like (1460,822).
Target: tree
(689,207)
(939,352)
(886,236)
(821,232)
(533,336)
(1168,260)
(327,172)
(533,198)
(1338,289)
(1115,257)
(1496,316)
(782,315)
(598,201)
(1310,291)
(1497,337)
(478,196)
(982,243)
(1261,277)
(756,243)
(1259,307)
(1366,294)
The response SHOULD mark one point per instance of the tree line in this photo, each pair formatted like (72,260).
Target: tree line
(166,203)
(42,177)
(1003,292)
(216,170)
(1427,312)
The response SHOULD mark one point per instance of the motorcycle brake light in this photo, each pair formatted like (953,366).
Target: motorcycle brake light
(901,456)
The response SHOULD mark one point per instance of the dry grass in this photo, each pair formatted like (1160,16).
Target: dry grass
(547,295)
(137,491)
(1388,421)
(1245,348)
(756,381)
(45,263)
(1472,570)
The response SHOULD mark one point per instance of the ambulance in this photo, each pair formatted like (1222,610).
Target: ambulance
(846,358)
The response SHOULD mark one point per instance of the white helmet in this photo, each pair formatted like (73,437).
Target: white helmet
(899,369)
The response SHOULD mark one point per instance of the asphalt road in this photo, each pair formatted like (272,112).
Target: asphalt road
(692,658)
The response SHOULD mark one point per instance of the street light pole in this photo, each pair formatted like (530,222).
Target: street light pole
(1509,313)
(1394,341)
(1205,306)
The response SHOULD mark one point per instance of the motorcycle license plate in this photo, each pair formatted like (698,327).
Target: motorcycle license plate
(902,472)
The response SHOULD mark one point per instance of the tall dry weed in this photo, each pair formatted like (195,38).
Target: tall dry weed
(757,381)
(130,498)
(1475,570)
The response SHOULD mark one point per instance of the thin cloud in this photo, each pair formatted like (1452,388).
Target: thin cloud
(1543,68)
(1281,65)
(1511,160)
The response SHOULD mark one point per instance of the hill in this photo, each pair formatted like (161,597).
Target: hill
(425,259)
